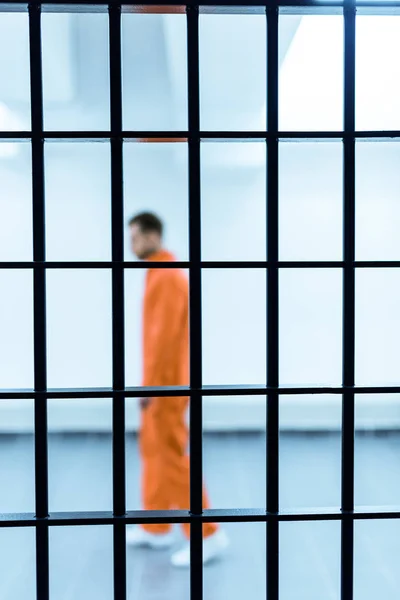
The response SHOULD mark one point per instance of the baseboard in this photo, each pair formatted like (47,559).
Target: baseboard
(314,413)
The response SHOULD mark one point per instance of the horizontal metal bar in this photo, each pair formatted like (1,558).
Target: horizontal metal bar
(93,265)
(374,264)
(206,391)
(208,264)
(240,515)
(167,136)
(231,5)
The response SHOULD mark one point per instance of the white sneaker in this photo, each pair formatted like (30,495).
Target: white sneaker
(139,537)
(213,546)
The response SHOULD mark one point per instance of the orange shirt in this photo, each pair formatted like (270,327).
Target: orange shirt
(165,325)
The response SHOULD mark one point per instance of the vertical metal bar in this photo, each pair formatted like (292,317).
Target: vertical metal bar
(347,550)
(272,304)
(117,224)
(196,409)
(39,302)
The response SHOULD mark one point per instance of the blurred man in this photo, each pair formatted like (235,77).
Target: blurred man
(163,432)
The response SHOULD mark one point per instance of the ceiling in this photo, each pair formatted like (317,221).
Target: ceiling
(76,70)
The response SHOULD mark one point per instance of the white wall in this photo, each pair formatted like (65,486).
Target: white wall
(234,301)
(234,315)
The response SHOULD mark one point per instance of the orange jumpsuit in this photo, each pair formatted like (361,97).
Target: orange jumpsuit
(164,433)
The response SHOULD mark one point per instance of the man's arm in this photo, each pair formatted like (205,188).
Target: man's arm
(163,320)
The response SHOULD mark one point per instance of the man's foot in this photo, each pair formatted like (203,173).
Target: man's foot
(213,546)
(139,537)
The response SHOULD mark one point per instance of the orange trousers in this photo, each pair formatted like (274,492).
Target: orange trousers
(165,462)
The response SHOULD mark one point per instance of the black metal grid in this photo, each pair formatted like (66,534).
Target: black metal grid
(119,517)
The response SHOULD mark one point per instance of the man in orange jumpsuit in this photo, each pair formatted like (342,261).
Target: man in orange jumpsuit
(163,432)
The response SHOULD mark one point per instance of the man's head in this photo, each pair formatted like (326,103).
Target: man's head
(146,231)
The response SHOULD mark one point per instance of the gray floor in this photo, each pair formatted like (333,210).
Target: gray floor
(81,558)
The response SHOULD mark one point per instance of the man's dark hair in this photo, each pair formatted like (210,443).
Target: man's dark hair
(148,222)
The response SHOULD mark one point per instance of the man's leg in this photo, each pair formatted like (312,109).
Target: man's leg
(208,528)
(173,437)
(153,482)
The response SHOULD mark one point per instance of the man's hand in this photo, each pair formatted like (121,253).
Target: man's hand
(144,402)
